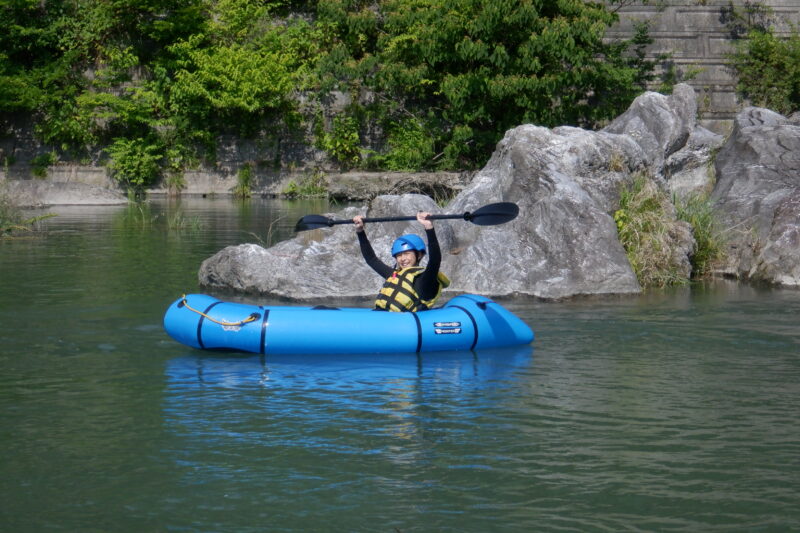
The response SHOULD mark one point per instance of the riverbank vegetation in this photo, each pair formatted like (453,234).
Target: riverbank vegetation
(766,64)
(710,242)
(149,87)
(10,216)
(651,228)
(13,221)
(140,215)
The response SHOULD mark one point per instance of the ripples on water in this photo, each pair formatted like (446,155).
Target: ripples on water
(670,411)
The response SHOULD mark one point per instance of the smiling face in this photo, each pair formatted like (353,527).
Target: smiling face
(406,259)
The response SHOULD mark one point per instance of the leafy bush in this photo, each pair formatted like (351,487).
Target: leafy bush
(767,66)
(244,180)
(224,81)
(135,163)
(310,186)
(484,66)
(410,147)
(768,70)
(342,142)
(41,162)
(451,75)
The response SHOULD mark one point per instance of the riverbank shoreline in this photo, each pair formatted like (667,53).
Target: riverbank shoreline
(79,185)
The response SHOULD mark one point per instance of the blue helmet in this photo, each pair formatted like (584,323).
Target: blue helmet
(408,242)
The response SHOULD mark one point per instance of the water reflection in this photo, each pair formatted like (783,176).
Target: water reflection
(356,405)
(201,370)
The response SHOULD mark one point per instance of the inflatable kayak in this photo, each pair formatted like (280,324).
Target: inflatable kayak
(466,322)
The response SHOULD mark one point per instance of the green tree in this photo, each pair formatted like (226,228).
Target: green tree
(767,66)
(768,70)
(136,163)
(471,69)
(441,79)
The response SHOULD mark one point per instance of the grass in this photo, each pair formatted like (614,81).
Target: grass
(244,182)
(179,221)
(699,212)
(311,186)
(176,182)
(140,215)
(647,228)
(647,223)
(12,221)
(271,234)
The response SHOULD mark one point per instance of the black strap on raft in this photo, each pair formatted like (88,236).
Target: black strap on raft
(419,332)
(252,318)
(264,324)
(474,325)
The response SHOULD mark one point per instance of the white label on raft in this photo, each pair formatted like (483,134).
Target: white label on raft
(447,324)
(231,328)
(443,331)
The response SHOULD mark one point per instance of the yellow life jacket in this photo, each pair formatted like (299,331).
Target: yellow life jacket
(398,294)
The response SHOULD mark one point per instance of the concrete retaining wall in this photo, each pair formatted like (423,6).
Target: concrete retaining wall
(695,34)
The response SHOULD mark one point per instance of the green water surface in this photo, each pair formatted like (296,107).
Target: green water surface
(672,411)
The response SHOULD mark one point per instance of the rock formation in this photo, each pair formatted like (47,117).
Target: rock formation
(564,243)
(758,195)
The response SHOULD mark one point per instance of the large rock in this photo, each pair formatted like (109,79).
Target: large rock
(564,243)
(690,171)
(678,152)
(758,195)
(660,124)
(320,263)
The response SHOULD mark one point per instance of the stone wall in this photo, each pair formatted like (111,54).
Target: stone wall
(695,34)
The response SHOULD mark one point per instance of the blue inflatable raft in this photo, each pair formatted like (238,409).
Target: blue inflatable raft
(467,322)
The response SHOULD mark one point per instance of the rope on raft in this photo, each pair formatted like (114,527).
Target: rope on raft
(253,317)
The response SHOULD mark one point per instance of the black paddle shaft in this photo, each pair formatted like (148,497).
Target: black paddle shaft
(465,216)
(488,215)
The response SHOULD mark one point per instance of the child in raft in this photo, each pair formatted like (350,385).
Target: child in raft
(408,286)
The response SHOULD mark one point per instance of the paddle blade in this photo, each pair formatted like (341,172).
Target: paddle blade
(493,214)
(312,222)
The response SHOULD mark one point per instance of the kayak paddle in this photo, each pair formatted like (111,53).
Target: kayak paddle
(488,215)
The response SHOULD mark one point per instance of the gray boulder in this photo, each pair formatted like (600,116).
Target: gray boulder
(660,124)
(758,196)
(678,152)
(564,243)
(690,171)
(320,263)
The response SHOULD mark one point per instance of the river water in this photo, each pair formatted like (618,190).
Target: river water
(673,411)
